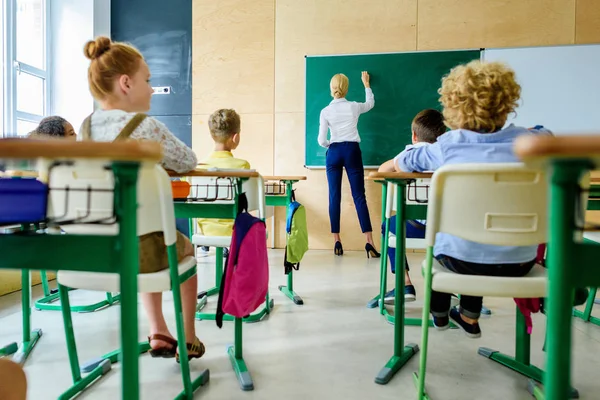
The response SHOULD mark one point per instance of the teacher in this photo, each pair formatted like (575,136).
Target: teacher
(340,117)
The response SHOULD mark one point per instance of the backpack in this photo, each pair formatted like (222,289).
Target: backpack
(297,235)
(246,275)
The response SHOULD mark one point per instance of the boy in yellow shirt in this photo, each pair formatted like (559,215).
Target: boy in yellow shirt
(224,126)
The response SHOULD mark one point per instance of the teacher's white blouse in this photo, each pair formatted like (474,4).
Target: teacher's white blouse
(340,117)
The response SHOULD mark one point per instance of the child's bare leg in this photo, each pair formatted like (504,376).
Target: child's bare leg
(152,303)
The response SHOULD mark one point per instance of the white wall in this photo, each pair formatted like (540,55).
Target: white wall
(560,86)
(73,23)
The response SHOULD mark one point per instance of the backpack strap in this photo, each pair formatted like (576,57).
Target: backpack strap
(86,127)
(130,127)
(220,314)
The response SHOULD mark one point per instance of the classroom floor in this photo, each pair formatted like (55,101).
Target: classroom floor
(330,348)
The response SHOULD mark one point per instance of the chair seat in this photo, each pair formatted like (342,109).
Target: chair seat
(530,286)
(410,243)
(153,282)
(593,236)
(214,241)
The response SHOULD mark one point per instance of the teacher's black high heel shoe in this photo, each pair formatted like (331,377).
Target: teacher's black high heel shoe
(371,252)
(338,250)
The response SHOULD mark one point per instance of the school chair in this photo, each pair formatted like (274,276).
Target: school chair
(586,314)
(155,213)
(495,204)
(221,195)
(222,191)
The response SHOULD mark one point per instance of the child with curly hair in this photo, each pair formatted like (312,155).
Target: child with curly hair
(477,99)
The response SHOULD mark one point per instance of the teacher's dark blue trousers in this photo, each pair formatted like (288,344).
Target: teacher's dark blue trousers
(339,156)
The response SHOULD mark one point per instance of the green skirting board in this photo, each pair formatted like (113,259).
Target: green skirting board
(403,85)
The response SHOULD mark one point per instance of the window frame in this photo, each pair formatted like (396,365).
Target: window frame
(13,67)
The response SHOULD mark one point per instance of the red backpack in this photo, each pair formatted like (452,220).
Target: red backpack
(246,275)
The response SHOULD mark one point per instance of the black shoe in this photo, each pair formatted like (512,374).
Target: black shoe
(338,250)
(471,330)
(371,252)
(205,249)
(441,323)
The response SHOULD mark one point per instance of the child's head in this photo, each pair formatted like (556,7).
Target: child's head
(54,127)
(339,86)
(479,96)
(427,126)
(224,126)
(118,74)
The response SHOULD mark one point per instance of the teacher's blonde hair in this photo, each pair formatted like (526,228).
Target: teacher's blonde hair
(339,86)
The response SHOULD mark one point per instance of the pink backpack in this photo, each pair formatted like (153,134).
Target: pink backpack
(246,276)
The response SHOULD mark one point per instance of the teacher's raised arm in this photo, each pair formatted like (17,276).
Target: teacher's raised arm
(340,118)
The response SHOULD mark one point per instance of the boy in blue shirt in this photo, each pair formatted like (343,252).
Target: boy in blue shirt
(477,99)
(426,127)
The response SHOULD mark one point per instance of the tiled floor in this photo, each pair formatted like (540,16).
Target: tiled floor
(330,348)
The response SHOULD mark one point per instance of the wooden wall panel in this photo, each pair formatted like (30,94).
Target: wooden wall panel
(334,27)
(256,143)
(587,21)
(233,57)
(457,24)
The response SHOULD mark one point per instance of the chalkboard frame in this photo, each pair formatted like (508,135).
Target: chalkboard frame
(311,133)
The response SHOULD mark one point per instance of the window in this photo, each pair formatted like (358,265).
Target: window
(26,43)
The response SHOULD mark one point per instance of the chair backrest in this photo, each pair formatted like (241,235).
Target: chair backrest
(501,204)
(222,191)
(82,195)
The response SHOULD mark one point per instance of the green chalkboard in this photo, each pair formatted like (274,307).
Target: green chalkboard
(403,85)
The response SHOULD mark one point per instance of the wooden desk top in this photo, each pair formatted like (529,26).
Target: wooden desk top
(543,148)
(54,149)
(19,174)
(216,174)
(399,175)
(284,178)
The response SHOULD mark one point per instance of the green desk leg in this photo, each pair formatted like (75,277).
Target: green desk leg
(9,349)
(126,175)
(256,317)
(563,192)
(586,315)
(30,338)
(378,300)
(289,290)
(237,359)
(402,353)
(521,361)
(203,296)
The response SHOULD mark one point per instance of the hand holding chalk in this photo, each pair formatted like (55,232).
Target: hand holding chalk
(365,79)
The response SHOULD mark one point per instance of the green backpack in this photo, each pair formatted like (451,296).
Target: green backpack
(297,235)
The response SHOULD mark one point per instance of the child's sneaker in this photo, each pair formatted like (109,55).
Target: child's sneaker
(390,297)
(409,293)
(471,330)
(441,323)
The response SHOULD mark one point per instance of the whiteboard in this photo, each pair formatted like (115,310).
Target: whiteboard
(560,86)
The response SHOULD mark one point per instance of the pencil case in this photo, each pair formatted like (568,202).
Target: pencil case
(181,189)
(22,201)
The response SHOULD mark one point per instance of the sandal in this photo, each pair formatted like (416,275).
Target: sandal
(195,350)
(163,352)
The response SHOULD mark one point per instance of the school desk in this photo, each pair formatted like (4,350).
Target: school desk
(94,253)
(572,262)
(281,196)
(191,209)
